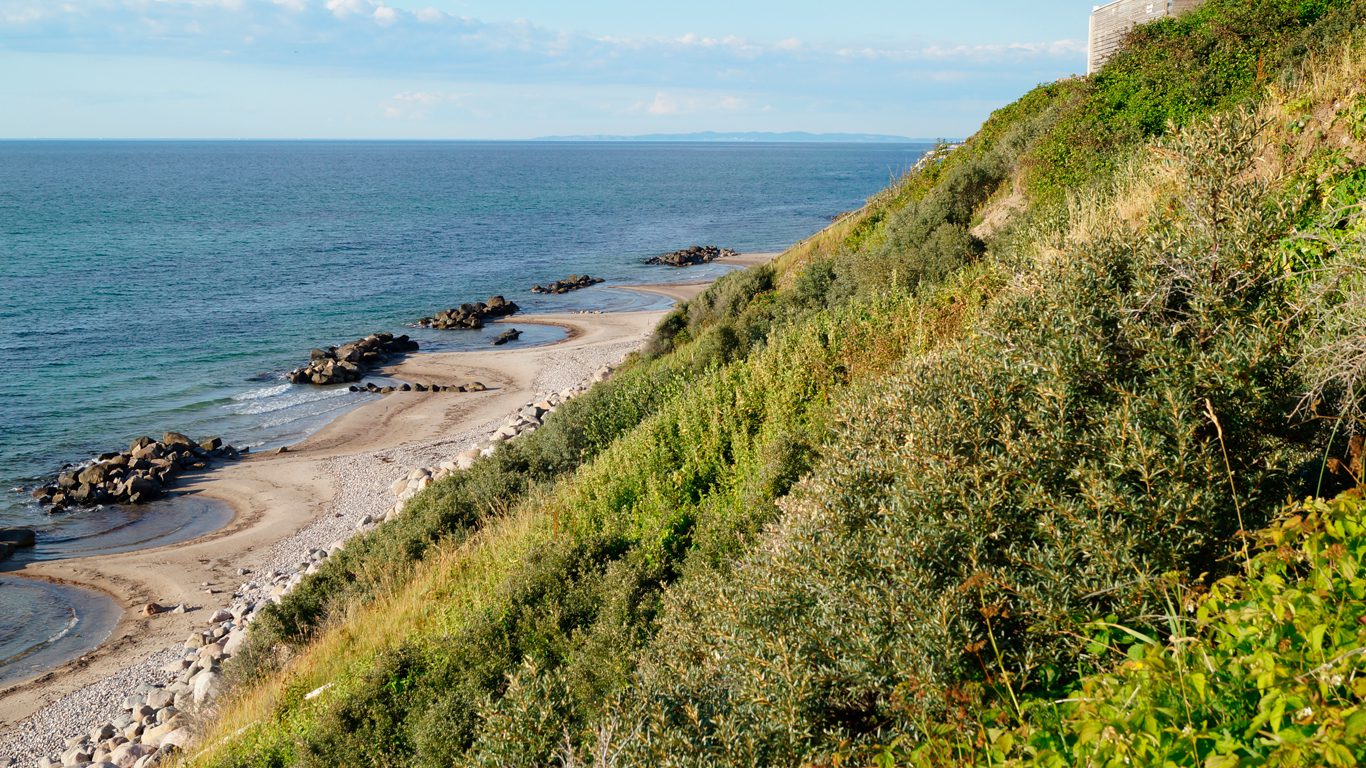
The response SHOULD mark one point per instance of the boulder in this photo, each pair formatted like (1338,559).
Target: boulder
(125,755)
(511,334)
(179,738)
(205,686)
(17,537)
(177,439)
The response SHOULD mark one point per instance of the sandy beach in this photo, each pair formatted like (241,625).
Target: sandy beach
(290,503)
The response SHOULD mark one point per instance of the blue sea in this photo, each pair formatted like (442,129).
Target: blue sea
(153,286)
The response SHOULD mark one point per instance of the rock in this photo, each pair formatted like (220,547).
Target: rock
(220,615)
(177,439)
(152,609)
(155,735)
(234,642)
(511,334)
(17,537)
(571,283)
(126,754)
(205,686)
(77,755)
(101,732)
(179,738)
(687,257)
(476,387)
(160,698)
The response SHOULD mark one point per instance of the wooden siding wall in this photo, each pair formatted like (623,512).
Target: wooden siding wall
(1111,22)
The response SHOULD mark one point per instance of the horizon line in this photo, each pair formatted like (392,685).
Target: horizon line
(646,139)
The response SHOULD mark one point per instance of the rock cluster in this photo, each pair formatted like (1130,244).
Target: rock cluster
(571,283)
(156,720)
(378,390)
(511,334)
(140,474)
(349,362)
(469,316)
(697,254)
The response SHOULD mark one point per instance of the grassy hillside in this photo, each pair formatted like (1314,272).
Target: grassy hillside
(967,478)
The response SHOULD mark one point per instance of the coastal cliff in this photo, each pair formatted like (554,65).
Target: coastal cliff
(1047,456)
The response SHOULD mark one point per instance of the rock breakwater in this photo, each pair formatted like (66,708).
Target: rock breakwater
(350,362)
(687,257)
(374,388)
(571,283)
(140,474)
(470,316)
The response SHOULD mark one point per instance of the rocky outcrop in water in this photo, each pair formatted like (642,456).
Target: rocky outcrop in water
(571,283)
(140,474)
(470,316)
(511,334)
(14,538)
(349,362)
(687,257)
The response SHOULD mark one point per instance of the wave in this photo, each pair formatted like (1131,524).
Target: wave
(257,394)
(282,398)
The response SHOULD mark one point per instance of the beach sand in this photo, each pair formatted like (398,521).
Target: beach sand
(288,504)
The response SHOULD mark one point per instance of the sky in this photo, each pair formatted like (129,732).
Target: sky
(485,69)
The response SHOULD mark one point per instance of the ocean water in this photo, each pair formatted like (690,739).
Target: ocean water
(153,286)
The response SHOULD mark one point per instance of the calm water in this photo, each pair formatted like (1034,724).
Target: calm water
(147,286)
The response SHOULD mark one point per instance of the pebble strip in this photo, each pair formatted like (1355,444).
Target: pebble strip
(147,712)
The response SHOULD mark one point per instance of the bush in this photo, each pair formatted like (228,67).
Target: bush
(974,510)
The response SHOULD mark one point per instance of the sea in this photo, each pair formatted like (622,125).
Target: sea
(169,285)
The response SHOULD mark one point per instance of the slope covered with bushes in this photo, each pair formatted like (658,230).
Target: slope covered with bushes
(965,478)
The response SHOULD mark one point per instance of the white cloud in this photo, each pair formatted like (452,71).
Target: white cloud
(384,15)
(430,15)
(415,105)
(666,104)
(663,104)
(343,8)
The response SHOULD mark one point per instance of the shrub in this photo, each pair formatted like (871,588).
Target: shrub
(972,511)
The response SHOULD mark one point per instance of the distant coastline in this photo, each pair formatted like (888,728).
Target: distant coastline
(788,137)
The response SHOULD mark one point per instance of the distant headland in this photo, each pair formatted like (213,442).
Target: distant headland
(756,136)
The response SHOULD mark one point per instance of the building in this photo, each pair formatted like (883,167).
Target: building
(1110,23)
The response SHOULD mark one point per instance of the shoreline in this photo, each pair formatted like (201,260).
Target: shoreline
(286,505)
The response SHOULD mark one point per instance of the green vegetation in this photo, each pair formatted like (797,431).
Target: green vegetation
(967,479)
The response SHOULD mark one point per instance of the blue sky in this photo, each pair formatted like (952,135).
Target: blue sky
(484,69)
